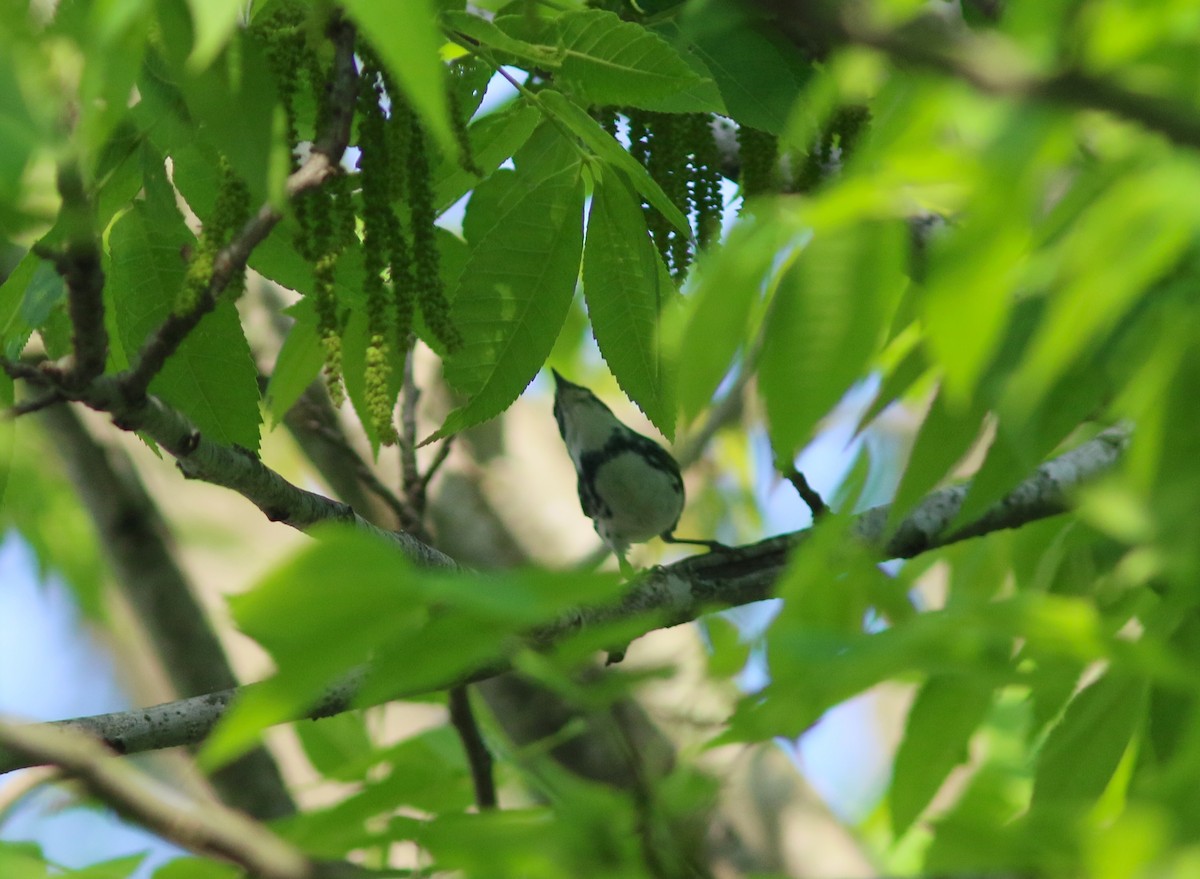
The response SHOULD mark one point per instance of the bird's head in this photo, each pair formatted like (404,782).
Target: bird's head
(583,420)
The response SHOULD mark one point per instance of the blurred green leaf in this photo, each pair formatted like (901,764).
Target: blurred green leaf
(1082,751)
(825,324)
(758,72)
(215,21)
(944,716)
(298,364)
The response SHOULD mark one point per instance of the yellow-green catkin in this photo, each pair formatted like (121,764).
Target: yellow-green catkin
(759,154)
(705,199)
(660,141)
(324,216)
(459,119)
(229,214)
(426,260)
(375,165)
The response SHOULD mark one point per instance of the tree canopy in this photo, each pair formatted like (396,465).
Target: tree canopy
(316,254)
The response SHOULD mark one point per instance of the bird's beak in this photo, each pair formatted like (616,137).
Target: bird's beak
(558,379)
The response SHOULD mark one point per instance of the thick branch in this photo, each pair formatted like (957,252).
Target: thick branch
(676,593)
(79,264)
(136,542)
(323,162)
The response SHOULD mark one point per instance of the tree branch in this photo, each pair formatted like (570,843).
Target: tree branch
(228,466)
(204,828)
(78,262)
(135,541)
(323,161)
(676,593)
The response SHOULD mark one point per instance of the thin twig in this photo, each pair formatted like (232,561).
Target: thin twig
(323,162)
(807,493)
(35,405)
(363,471)
(479,758)
(439,459)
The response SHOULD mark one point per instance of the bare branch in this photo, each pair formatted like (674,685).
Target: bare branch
(228,466)
(203,828)
(479,758)
(676,593)
(322,162)
(807,493)
(135,541)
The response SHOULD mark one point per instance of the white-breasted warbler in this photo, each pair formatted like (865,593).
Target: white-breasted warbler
(629,485)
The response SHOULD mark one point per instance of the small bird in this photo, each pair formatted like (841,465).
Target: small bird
(629,485)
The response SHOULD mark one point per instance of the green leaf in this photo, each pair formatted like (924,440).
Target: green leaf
(622,283)
(603,145)
(298,364)
(1082,752)
(197,868)
(826,322)
(729,283)
(943,718)
(408,41)
(248,138)
(335,744)
(759,72)
(492,36)
(15,327)
(494,138)
(1125,242)
(211,378)
(610,61)
(289,611)
(214,21)
(514,293)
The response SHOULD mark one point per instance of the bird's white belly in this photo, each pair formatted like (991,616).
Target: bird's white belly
(642,501)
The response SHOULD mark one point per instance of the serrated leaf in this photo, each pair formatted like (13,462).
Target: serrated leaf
(1082,752)
(610,61)
(516,288)
(621,282)
(408,41)
(490,35)
(945,714)
(15,328)
(603,145)
(826,322)
(211,378)
(494,138)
